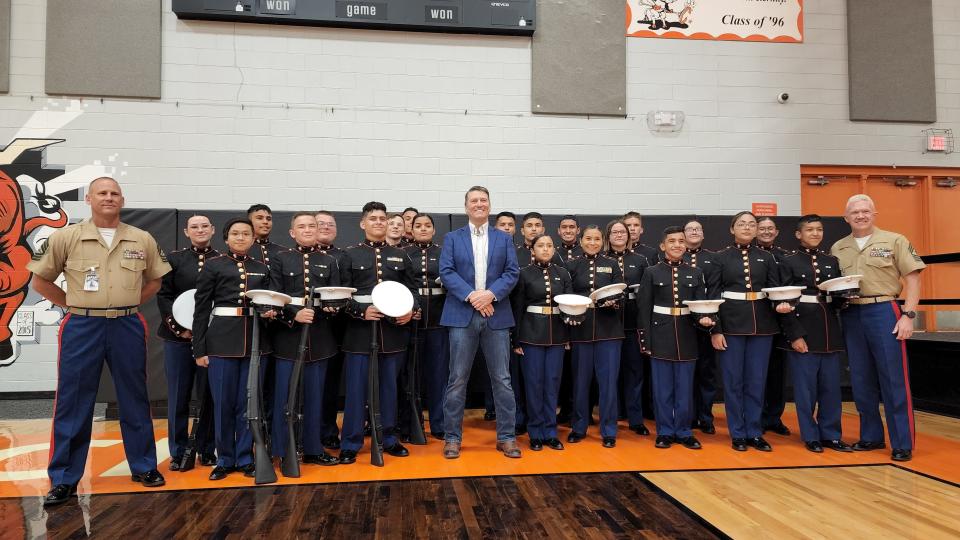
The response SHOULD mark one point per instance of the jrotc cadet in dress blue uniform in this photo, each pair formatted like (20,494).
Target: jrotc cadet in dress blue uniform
(329,431)
(505,221)
(632,266)
(222,334)
(744,334)
(634,223)
(364,266)
(670,337)
(179,364)
(408,214)
(395,233)
(774,395)
(567,250)
(813,340)
(293,273)
(596,342)
(110,269)
(876,328)
(705,376)
(540,339)
(434,345)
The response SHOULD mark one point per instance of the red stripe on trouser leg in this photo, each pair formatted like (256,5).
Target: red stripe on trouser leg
(906,378)
(53,421)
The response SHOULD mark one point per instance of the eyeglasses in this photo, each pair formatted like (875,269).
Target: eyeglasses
(751,225)
(693,229)
(331,224)
(618,233)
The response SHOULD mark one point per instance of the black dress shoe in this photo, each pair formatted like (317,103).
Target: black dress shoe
(760,444)
(740,445)
(814,446)
(520,429)
(536,445)
(575,437)
(779,429)
(690,442)
(397,450)
(866,446)
(249,470)
(175,463)
(347,457)
(324,459)
(900,454)
(609,442)
(664,441)
(706,427)
(640,429)
(837,445)
(208,460)
(331,442)
(151,478)
(437,435)
(490,416)
(59,494)
(220,472)
(554,443)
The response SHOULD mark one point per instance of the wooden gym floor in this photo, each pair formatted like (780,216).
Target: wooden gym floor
(584,491)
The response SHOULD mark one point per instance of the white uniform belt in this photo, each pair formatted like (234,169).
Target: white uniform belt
(232,311)
(107,313)
(631,296)
(303,301)
(435,291)
(543,310)
(814,299)
(671,310)
(750,296)
(363,298)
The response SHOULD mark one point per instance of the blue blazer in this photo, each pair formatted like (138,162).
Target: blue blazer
(457,274)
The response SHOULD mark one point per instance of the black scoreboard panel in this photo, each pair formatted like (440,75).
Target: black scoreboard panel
(514,17)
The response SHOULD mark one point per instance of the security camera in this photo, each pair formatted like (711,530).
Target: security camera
(782,97)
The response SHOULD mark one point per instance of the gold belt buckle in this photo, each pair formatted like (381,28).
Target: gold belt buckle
(112,313)
(676,311)
(751,295)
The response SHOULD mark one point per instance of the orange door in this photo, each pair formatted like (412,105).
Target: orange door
(826,195)
(900,207)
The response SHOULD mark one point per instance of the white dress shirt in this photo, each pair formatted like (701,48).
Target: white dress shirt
(479,237)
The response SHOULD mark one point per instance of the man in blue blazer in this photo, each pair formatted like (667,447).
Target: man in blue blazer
(478,267)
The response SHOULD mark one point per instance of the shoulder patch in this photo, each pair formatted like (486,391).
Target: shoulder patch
(41,249)
(163,256)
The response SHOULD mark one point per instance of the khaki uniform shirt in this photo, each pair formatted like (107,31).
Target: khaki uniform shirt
(883,260)
(121,270)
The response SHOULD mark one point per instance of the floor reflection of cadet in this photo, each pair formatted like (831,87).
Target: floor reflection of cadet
(597,341)
(293,273)
(705,377)
(179,364)
(222,331)
(774,395)
(632,266)
(329,431)
(744,334)
(540,339)
(813,340)
(364,266)
(670,336)
(876,327)
(434,346)
(110,269)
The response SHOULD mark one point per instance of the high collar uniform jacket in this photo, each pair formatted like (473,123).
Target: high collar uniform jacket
(424,261)
(186,266)
(264,250)
(744,269)
(632,265)
(667,284)
(294,272)
(224,283)
(365,265)
(651,253)
(818,324)
(589,273)
(567,253)
(537,286)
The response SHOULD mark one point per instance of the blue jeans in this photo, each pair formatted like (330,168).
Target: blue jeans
(496,351)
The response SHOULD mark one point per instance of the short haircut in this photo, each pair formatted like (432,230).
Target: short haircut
(204,216)
(505,213)
(632,214)
(373,206)
(99,178)
(572,217)
(809,218)
(673,229)
(761,219)
(689,221)
(311,215)
(427,216)
(482,189)
(532,215)
(738,215)
(410,209)
(392,215)
(857,198)
(324,213)
(231,222)
(259,207)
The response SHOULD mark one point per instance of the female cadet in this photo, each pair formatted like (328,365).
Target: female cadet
(433,347)
(671,337)
(632,265)
(540,339)
(223,342)
(597,341)
(744,334)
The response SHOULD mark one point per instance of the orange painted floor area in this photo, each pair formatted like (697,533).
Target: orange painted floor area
(24,447)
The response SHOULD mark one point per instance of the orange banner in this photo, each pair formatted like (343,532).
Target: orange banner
(733,20)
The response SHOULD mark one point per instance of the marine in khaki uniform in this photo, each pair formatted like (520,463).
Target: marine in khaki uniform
(876,327)
(110,269)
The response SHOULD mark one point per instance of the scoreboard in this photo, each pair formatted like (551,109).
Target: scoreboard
(512,17)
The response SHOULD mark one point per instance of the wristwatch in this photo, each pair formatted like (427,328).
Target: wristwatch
(910,314)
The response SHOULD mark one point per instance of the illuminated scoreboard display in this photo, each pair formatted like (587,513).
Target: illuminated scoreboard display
(515,17)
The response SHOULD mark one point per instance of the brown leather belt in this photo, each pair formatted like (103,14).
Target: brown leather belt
(109,313)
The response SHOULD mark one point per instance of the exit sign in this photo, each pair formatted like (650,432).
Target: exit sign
(936,143)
